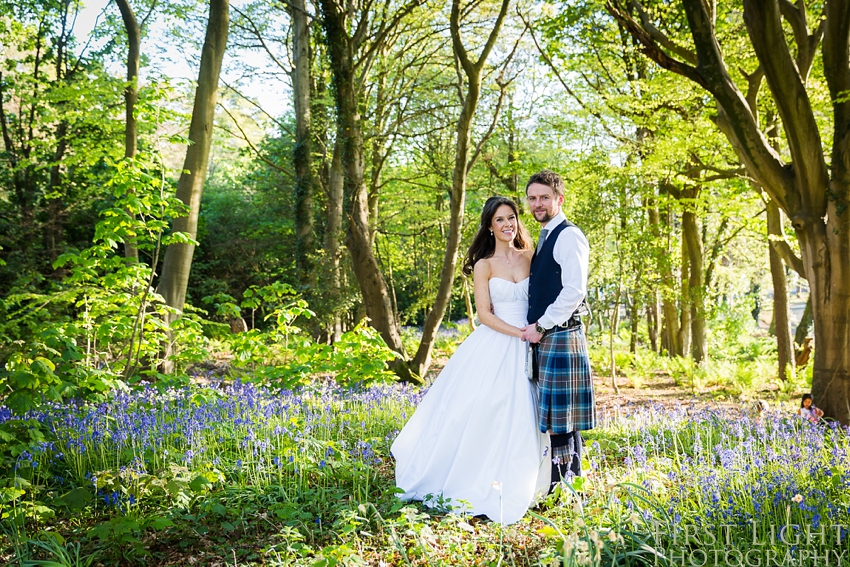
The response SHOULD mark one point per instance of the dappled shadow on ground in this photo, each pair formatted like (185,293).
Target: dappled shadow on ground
(660,390)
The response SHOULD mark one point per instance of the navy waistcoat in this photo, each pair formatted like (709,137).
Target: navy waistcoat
(544,284)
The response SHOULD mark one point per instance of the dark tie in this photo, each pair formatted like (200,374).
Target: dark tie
(543,234)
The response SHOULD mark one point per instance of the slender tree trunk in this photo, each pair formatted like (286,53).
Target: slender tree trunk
(612,332)
(302,153)
(333,232)
(805,323)
(684,338)
(422,360)
(379,154)
(467,298)
(634,321)
(695,290)
(670,325)
(652,317)
(472,70)
(376,297)
(55,226)
(134,41)
(178,256)
(781,317)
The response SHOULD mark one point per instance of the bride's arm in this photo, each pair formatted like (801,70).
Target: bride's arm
(481,278)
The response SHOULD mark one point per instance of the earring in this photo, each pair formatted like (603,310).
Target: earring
(491,233)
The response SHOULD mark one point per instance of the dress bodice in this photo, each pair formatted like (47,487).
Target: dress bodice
(510,300)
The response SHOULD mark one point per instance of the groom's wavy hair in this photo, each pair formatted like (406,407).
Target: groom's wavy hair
(484,243)
(548,178)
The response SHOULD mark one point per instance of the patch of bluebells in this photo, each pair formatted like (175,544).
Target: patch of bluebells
(729,468)
(243,428)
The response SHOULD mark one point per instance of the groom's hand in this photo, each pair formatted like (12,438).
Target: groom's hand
(530,334)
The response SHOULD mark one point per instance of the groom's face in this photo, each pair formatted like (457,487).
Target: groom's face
(543,202)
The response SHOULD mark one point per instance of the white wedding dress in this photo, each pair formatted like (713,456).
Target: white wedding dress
(474,436)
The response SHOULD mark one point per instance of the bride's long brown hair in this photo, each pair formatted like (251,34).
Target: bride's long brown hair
(484,243)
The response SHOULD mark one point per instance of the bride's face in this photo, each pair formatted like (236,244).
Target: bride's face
(504,224)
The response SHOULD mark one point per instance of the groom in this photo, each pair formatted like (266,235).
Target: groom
(557,291)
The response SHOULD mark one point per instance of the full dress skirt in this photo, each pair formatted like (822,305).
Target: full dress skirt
(473,439)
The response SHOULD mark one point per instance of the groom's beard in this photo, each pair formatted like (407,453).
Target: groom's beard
(547,216)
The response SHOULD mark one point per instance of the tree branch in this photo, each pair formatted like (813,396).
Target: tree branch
(650,48)
(660,38)
(754,82)
(494,34)
(386,28)
(764,25)
(485,137)
(776,239)
(734,116)
(277,122)
(243,136)
(292,6)
(564,84)
(255,31)
(836,54)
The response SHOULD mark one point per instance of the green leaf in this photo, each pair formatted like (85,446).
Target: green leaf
(101,531)
(76,499)
(199,483)
(45,362)
(175,487)
(161,523)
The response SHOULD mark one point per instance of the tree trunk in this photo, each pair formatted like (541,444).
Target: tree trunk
(376,296)
(695,290)
(826,254)
(670,325)
(652,317)
(805,323)
(302,152)
(54,229)
(134,42)
(379,153)
(684,338)
(472,70)
(812,187)
(612,332)
(332,235)
(781,317)
(178,256)
(634,321)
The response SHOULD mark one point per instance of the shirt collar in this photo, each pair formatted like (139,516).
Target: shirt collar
(554,221)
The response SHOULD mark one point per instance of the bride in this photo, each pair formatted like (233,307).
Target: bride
(473,439)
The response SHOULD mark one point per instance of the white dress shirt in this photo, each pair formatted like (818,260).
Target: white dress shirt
(571,252)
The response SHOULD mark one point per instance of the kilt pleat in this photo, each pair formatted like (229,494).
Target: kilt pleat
(565,384)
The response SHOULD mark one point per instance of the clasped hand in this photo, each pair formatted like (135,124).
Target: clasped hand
(530,334)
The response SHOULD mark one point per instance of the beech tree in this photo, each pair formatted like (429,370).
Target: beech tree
(354,40)
(463,163)
(810,183)
(178,256)
(134,28)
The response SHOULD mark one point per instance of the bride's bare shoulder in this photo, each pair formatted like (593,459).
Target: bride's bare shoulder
(482,268)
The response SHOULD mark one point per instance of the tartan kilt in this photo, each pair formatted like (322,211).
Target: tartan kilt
(566,401)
